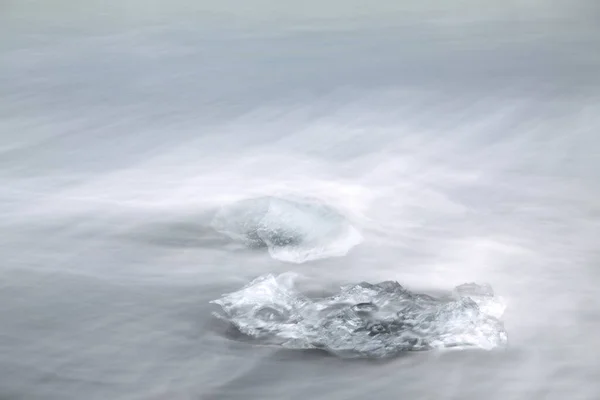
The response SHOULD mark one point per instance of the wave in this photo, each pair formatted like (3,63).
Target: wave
(365,320)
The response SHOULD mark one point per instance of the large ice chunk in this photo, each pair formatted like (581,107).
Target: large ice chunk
(365,320)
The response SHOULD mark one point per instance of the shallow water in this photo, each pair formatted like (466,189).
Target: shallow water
(461,142)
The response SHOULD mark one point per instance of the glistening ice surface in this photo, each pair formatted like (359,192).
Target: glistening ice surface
(365,320)
(460,138)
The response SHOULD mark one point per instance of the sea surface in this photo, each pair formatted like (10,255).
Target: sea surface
(461,141)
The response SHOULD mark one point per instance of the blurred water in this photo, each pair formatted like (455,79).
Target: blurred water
(461,141)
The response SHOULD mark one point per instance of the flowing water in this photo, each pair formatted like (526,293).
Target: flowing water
(459,143)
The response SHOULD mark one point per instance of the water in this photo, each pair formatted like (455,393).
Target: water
(460,142)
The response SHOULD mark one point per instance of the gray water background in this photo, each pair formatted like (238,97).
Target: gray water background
(462,140)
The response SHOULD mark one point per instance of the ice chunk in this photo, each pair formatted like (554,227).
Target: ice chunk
(363,320)
(293,230)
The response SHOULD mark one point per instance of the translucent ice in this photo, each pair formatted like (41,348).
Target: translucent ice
(365,320)
(293,230)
